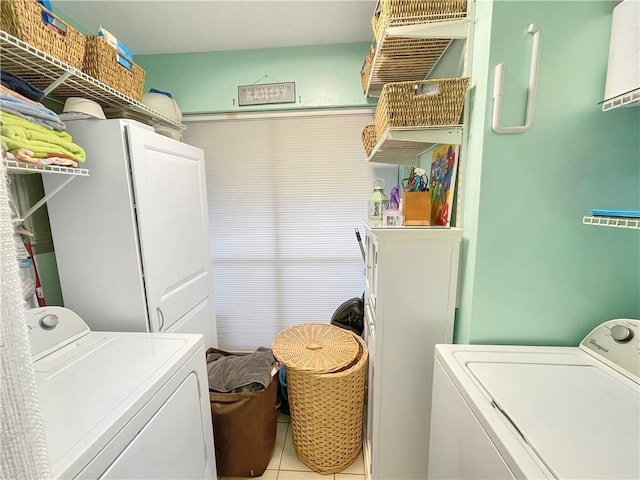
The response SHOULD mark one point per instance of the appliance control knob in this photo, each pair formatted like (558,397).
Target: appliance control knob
(621,334)
(49,322)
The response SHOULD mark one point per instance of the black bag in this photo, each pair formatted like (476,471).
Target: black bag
(350,315)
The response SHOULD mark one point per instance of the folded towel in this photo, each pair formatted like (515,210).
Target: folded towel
(6,154)
(25,155)
(19,133)
(17,84)
(48,124)
(232,372)
(39,121)
(32,112)
(8,91)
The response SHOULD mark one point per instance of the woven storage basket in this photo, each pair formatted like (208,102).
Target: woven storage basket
(365,71)
(22,19)
(392,13)
(402,104)
(326,408)
(369,138)
(101,62)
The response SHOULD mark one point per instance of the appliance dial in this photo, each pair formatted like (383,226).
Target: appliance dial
(49,322)
(621,334)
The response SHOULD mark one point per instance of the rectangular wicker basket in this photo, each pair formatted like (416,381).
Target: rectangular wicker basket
(22,19)
(101,62)
(365,71)
(407,12)
(369,138)
(420,103)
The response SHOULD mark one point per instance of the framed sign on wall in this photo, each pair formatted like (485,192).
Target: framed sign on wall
(265,93)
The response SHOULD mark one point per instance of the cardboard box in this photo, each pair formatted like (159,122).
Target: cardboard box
(417,208)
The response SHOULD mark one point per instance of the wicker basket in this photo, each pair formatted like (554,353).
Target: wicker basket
(101,62)
(393,13)
(22,19)
(421,103)
(365,71)
(369,138)
(326,408)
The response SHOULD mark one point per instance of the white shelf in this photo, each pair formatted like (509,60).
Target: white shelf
(629,99)
(14,166)
(617,222)
(401,145)
(61,81)
(409,52)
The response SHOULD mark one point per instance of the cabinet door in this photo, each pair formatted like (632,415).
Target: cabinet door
(171,204)
(371,273)
(370,411)
(156,451)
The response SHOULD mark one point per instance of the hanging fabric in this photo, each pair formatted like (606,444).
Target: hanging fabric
(24,450)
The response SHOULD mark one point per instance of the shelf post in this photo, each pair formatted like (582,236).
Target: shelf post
(56,83)
(45,199)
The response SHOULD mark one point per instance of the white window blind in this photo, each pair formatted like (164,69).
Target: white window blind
(285,194)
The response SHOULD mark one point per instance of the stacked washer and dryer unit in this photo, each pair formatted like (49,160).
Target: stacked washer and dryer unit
(501,412)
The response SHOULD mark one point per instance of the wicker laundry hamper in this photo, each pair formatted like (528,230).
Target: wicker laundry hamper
(326,372)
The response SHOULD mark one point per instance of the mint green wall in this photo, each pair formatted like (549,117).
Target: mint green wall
(533,274)
(479,96)
(48,272)
(325,76)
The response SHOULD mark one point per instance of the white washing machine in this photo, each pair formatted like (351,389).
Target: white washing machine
(539,412)
(121,405)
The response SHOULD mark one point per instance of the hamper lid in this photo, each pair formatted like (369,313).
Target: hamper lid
(315,347)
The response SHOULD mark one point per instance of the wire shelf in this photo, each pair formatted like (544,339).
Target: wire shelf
(62,81)
(629,99)
(401,145)
(633,223)
(14,166)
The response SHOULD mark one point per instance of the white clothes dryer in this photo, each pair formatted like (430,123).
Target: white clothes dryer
(539,412)
(121,405)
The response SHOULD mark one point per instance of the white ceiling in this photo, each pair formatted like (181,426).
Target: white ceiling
(180,26)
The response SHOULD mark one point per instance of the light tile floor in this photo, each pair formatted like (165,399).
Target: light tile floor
(285,465)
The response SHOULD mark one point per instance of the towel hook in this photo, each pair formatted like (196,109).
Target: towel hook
(531,94)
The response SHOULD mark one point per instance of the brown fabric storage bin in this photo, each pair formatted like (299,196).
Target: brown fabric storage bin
(101,62)
(22,19)
(244,429)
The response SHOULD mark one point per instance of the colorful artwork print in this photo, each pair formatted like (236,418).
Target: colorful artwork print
(442,178)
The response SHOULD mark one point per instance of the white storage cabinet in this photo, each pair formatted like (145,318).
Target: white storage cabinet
(132,240)
(411,278)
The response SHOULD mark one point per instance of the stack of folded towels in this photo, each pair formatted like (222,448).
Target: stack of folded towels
(30,132)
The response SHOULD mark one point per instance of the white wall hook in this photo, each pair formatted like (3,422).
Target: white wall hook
(531,94)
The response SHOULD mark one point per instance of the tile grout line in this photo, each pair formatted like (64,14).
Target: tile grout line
(277,470)
(284,445)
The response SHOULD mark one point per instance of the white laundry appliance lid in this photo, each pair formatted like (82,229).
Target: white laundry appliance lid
(90,389)
(581,420)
